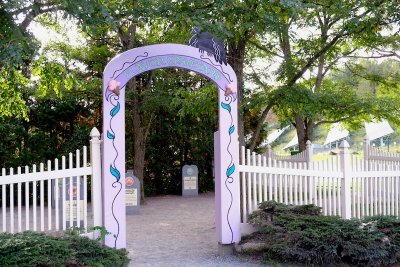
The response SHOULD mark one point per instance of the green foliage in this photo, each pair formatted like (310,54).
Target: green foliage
(300,234)
(182,106)
(304,41)
(37,249)
(16,45)
(54,129)
(12,86)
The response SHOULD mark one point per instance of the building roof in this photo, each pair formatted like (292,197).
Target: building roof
(375,130)
(336,132)
(292,143)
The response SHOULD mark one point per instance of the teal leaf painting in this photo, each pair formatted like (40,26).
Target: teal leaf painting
(226,106)
(230,170)
(115,173)
(231,129)
(115,110)
(110,135)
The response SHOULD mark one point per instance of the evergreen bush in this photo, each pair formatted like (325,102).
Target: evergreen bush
(38,249)
(301,234)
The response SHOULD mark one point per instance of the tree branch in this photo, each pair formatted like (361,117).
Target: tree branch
(257,78)
(148,126)
(333,121)
(333,63)
(260,123)
(265,49)
(36,9)
(324,49)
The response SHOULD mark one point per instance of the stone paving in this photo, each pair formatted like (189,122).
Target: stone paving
(176,231)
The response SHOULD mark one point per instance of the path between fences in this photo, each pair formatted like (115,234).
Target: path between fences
(177,231)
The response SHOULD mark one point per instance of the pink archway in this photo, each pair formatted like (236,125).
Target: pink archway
(226,146)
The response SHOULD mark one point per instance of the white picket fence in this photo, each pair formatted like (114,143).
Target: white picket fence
(344,185)
(378,155)
(36,212)
(304,156)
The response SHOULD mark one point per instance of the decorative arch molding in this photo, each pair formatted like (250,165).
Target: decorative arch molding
(117,73)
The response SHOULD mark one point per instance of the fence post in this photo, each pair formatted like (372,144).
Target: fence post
(309,150)
(95,157)
(346,180)
(366,147)
(268,152)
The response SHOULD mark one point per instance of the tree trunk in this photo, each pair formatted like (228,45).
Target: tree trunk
(236,54)
(304,129)
(138,133)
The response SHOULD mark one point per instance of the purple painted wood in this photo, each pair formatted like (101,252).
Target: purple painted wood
(116,74)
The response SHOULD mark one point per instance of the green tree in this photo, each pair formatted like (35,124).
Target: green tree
(310,38)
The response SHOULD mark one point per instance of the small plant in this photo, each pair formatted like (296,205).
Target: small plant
(38,249)
(300,234)
(102,232)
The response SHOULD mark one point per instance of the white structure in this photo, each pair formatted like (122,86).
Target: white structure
(336,133)
(294,142)
(37,216)
(275,134)
(343,185)
(375,130)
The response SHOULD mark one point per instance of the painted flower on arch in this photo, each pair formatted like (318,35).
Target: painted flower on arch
(230,89)
(113,86)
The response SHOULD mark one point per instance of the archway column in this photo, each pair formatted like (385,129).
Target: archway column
(227,185)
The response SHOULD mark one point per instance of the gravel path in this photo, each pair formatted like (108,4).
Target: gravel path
(177,231)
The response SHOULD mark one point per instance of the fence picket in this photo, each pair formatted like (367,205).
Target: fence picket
(41,199)
(49,197)
(26,201)
(85,222)
(392,179)
(334,189)
(396,192)
(248,178)
(265,179)
(34,200)
(64,193)
(260,197)
(4,201)
(243,179)
(19,203)
(367,190)
(281,164)
(71,199)
(329,187)
(78,189)
(270,180)
(296,188)
(11,204)
(57,197)
(377,193)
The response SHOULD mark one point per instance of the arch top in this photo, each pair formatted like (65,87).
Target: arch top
(133,62)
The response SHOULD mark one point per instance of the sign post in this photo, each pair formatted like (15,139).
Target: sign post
(132,193)
(190,180)
(74,198)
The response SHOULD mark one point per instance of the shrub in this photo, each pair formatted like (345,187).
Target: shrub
(300,234)
(38,249)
